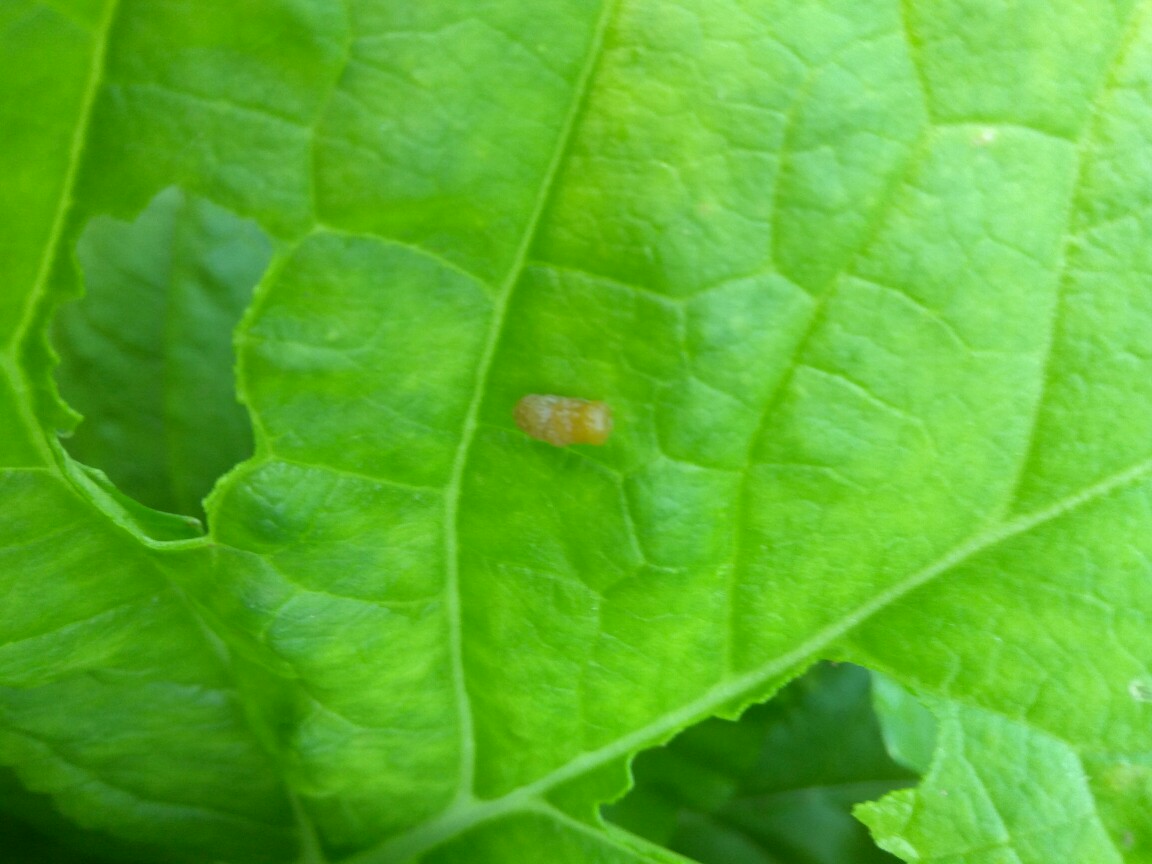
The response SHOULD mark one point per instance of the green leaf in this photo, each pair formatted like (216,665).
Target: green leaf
(864,282)
(998,790)
(114,699)
(909,729)
(34,831)
(776,786)
(146,357)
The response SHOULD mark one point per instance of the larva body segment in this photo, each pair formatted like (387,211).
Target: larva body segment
(562,420)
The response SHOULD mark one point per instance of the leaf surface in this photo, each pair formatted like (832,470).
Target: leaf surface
(864,283)
(997,790)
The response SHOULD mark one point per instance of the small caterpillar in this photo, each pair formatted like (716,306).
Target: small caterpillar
(562,420)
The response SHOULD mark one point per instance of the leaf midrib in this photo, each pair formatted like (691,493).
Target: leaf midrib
(464,792)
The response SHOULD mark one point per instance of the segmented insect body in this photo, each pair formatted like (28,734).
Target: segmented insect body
(562,420)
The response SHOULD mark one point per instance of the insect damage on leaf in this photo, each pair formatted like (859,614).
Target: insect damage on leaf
(562,420)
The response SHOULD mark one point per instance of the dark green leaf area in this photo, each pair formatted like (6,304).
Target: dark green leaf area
(32,831)
(146,355)
(775,787)
(25,845)
(114,701)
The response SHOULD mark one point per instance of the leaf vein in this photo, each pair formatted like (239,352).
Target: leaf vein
(484,367)
(1030,448)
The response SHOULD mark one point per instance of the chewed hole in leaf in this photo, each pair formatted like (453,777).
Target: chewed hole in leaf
(778,785)
(146,354)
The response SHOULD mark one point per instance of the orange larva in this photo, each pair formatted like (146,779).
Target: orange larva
(561,420)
